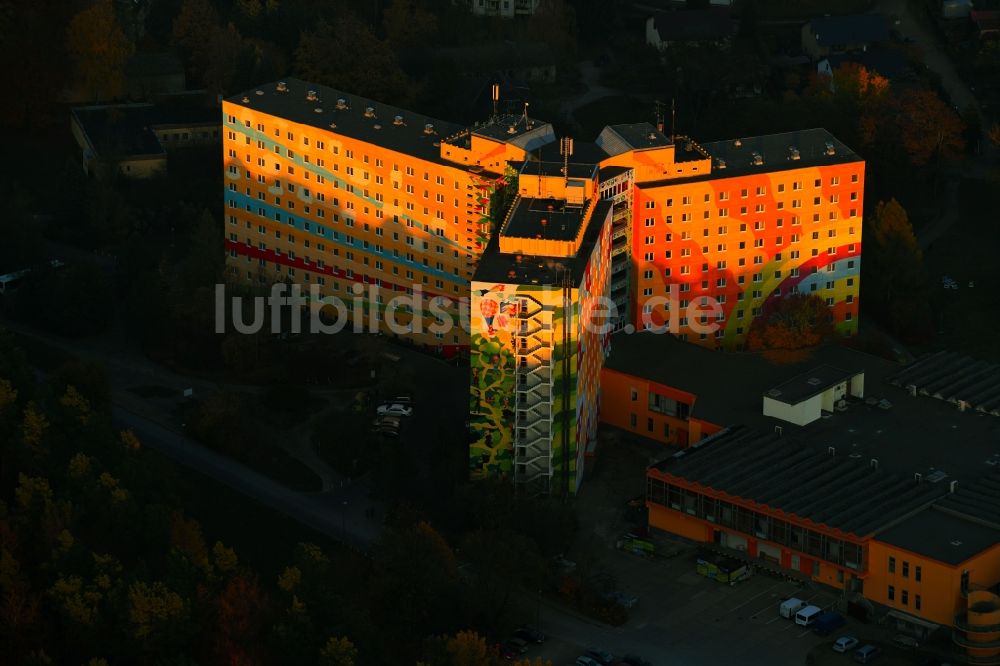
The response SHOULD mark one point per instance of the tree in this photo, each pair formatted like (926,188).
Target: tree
(927,126)
(240,614)
(347,55)
(792,322)
(338,651)
(894,283)
(193,31)
(408,23)
(98,46)
(502,560)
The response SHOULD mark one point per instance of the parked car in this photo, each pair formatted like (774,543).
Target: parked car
(867,654)
(600,656)
(904,641)
(586,661)
(394,409)
(530,634)
(392,421)
(828,622)
(845,644)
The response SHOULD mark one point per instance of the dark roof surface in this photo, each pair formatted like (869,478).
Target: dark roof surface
(555,168)
(784,473)
(640,135)
(730,386)
(852,29)
(495,266)
(979,499)
(408,138)
(951,377)
(121,130)
(913,434)
(693,25)
(774,150)
(810,383)
(549,219)
(942,535)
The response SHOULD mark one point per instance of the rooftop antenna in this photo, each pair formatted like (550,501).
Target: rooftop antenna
(659,116)
(673,119)
(566,149)
(496,100)
(525,115)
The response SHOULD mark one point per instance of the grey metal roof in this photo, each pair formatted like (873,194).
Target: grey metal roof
(954,378)
(786,474)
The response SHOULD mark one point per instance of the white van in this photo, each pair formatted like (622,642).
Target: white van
(807,615)
(789,607)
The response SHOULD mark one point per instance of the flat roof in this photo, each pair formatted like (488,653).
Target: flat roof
(380,130)
(940,534)
(979,499)
(495,266)
(555,168)
(123,130)
(543,218)
(737,155)
(906,434)
(808,384)
(786,473)
(952,377)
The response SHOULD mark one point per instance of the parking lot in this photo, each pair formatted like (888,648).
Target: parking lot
(682,618)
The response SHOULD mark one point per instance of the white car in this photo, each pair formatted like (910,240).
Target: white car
(845,644)
(394,410)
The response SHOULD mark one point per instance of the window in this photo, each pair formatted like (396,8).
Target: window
(916,601)
(635,396)
(906,569)
(916,570)
(905,597)
(892,593)
(632,420)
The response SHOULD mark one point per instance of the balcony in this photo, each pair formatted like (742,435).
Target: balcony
(962,622)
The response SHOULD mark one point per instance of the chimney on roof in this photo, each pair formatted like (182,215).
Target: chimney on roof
(281,87)
(369,112)
(952,486)
(398,120)
(311,96)
(429,128)
(341,104)
(830,150)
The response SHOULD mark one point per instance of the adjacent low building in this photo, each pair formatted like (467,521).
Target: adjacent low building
(831,465)
(136,139)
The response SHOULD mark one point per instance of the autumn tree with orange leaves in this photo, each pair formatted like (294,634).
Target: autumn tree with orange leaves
(99,50)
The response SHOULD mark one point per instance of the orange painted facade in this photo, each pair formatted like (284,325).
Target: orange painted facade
(896,578)
(308,204)
(747,239)
(652,410)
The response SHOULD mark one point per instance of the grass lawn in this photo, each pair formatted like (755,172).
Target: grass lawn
(968,317)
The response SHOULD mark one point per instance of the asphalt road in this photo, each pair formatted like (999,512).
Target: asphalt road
(340,514)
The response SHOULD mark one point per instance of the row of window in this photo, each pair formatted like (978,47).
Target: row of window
(755,524)
(905,570)
(904,597)
(760,190)
(320,145)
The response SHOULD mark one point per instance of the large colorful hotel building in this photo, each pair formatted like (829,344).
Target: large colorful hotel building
(531,235)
